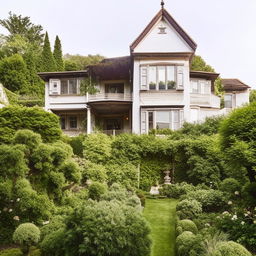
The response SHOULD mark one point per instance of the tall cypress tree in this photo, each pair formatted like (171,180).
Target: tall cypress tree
(57,54)
(47,62)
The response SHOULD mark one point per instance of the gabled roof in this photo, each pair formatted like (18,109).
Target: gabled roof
(234,84)
(163,14)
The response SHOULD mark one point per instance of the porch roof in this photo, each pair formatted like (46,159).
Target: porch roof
(62,74)
(234,84)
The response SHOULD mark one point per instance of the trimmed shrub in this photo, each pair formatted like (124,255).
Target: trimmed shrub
(230,185)
(176,190)
(186,225)
(188,209)
(249,194)
(13,118)
(211,200)
(96,190)
(11,252)
(184,243)
(231,249)
(26,235)
(77,144)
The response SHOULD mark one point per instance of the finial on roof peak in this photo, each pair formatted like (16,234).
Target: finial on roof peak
(162,4)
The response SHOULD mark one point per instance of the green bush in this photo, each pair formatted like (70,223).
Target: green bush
(77,144)
(26,234)
(176,190)
(91,227)
(34,252)
(211,200)
(11,252)
(188,209)
(97,147)
(186,225)
(13,118)
(96,190)
(249,194)
(231,249)
(230,185)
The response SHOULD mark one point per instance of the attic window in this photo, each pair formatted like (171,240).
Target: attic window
(162,29)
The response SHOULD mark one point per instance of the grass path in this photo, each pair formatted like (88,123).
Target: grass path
(160,213)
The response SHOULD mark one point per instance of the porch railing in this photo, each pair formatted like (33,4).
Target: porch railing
(117,132)
(110,96)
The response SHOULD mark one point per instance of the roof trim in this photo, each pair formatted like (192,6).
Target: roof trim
(47,75)
(204,74)
(164,14)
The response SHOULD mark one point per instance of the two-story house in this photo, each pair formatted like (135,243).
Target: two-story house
(153,88)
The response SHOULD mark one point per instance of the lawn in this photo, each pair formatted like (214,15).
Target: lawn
(160,213)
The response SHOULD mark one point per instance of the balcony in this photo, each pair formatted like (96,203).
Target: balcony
(205,100)
(110,97)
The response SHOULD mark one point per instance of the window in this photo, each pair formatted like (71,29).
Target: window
(163,119)
(161,77)
(69,86)
(200,86)
(114,88)
(228,100)
(73,122)
(152,78)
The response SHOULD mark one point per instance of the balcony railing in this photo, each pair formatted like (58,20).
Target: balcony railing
(205,100)
(110,97)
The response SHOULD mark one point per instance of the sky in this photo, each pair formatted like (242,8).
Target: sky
(224,30)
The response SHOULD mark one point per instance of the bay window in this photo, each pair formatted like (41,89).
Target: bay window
(161,77)
(161,119)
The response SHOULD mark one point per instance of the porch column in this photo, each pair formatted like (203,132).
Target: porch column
(89,125)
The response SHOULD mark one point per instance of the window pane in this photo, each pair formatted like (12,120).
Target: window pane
(152,78)
(63,122)
(72,122)
(228,101)
(150,121)
(72,86)
(161,78)
(114,88)
(194,87)
(171,77)
(64,87)
(163,119)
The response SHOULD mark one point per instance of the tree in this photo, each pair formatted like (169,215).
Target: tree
(18,25)
(13,118)
(252,95)
(57,53)
(198,64)
(14,73)
(238,140)
(47,62)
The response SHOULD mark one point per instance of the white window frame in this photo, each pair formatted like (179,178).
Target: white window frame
(68,84)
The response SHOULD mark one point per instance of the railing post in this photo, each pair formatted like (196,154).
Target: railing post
(114,132)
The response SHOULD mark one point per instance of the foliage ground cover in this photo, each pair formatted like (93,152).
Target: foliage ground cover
(161,214)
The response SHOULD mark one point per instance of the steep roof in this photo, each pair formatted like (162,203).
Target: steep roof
(163,14)
(112,69)
(234,84)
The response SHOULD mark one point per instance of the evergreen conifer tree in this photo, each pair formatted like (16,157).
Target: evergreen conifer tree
(47,62)
(57,54)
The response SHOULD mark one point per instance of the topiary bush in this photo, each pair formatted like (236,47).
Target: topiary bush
(77,144)
(188,209)
(186,225)
(26,234)
(231,249)
(188,244)
(96,190)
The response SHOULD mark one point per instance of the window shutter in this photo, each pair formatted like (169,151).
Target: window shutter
(209,85)
(180,78)
(54,87)
(143,122)
(143,78)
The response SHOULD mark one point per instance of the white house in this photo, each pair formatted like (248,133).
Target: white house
(153,88)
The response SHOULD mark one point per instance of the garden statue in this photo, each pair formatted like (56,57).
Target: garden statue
(167,179)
